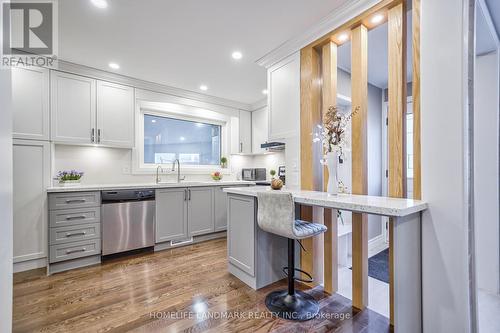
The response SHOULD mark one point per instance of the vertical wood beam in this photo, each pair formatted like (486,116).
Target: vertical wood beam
(329,98)
(417,183)
(310,116)
(359,78)
(397,115)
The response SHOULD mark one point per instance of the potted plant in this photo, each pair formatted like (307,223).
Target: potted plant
(332,135)
(223,162)
(276,183)
(69,178)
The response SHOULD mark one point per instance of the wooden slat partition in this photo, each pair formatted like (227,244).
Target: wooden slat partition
(396,115)
(359,92)
(417,185)
(310,116)
(329,98)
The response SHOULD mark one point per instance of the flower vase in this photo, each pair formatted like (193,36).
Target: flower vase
(332,162)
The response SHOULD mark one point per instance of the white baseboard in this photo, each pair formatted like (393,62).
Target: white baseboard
(29,265)
(377,244)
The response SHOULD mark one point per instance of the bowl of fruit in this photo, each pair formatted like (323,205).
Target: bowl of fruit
(217,175)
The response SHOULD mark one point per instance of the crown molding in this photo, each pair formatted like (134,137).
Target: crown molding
(70,67)
(336,18)
(258,105)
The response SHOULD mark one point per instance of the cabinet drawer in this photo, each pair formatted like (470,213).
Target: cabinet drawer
(66,217)
(74,250)
(74,200)
(74,233)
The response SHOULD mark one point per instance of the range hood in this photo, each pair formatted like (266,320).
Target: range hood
(273,146)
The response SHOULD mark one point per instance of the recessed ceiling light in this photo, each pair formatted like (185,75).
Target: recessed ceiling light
(182,138)
(100,3)
(114,65)
(203,87)
(343,37)
(377,18)
(264,91)
(237,55)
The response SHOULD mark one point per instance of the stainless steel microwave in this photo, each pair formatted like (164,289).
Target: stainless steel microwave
(253,174)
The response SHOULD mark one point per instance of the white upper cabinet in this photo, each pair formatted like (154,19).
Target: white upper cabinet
(115,115)
(73,108)
(284,98)
(241,133)
(260,129)
(30,102)
(245,132)
(87,111)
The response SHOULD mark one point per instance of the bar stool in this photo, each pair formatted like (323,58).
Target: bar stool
(276,215)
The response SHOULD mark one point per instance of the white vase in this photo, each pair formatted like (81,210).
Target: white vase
(332,160)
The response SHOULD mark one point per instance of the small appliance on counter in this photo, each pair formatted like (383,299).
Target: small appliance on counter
(281,173)
(254,174)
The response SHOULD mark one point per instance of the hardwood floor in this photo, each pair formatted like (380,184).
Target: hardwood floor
(185,289)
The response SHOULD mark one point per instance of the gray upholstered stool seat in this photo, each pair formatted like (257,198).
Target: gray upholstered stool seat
(276,214)
(304,229)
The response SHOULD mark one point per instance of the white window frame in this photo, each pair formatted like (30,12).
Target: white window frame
(180,112)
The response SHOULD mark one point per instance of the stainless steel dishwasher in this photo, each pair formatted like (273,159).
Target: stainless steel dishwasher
(128,220)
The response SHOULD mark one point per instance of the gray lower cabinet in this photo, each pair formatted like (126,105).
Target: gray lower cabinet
(241,233)
(200,210)
(220,209)
(74,230)
(171,214)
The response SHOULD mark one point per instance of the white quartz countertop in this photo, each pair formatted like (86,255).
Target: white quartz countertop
(385,206)
(103,187)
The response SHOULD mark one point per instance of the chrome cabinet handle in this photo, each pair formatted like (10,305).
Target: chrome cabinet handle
(185,195)
(69,234)
(69,218)
(241,147)
(75,200)
(92,135)
(77,250)
(189,191)
(99,135)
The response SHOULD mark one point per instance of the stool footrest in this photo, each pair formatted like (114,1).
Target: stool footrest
(285,270)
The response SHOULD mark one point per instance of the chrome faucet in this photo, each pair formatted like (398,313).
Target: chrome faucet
(179,178)
(159,170)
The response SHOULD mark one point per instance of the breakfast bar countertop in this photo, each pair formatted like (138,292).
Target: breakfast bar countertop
(123,186)
(393,207)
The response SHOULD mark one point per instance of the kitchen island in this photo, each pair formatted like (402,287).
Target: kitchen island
(255,256)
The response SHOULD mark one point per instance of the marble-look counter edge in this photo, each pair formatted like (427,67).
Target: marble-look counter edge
(103,187)
(385,206)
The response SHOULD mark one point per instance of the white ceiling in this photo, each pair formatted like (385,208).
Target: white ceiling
(186,43)
(378,68)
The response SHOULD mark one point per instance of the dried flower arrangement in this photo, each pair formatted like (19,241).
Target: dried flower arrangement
(332,132)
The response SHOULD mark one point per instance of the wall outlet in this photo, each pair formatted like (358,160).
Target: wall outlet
(126,170)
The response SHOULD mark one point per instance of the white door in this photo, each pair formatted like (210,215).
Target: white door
(115,115)
(73,108)
(245,132)
(30,179)
(171,214)
(30,103)
(260,129)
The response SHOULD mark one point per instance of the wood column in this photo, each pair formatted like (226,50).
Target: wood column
(329,98)
(359,78)
(417,185)
(396,116)
(310,116)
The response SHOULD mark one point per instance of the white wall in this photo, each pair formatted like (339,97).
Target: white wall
(445,271)
(486,214)
(5,199)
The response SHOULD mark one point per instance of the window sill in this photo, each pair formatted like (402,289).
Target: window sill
(185,170)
